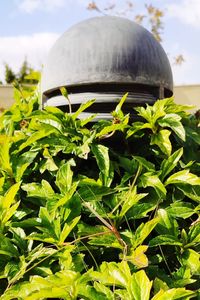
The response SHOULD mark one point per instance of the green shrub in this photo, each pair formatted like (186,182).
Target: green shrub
(102,210)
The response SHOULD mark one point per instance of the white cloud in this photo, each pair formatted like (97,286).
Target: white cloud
(29,6)
(34,47)
(187,11)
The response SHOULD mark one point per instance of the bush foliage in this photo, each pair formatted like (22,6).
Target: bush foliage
(99,210)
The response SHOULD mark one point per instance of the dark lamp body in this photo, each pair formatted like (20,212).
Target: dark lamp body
(103,58)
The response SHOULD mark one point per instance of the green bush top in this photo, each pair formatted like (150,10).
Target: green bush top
(99,210)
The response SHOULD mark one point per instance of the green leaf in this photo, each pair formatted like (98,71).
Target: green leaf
(167,224)
(181,209)
(173,121)
(21,163)
(158,285)
(63,200)
(117,113)
(183,176)
(45,217)
(146,164)
(112,273)
(55,111)
(9,198)
(64,177)
(130,198)
(191,191)
(111,128)
(191,259)
(104,290)
(137,126)
(140,210)
(7,247)
(161,139)
(194,232)
(140,286)
(5,143)
(43,119)
(103,161)
(44,132)
(43,190)
(82,107)
(107,239)
(172,294)
(150,179)
(143,231)
(146,113)
(86,291)
(170,163)
(92,193)
(67,229)
(138,258)
(165,240)
(8,213)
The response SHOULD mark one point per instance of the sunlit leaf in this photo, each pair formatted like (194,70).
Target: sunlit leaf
(103,161)
(64,177)
(150,179)
(170,163)
(161,139)
(138,258)
(165,240)
(173,121)
(191,259)
(140,286)
(172,294)
(167,224)
(82,107)
(183,176)
(143,231)
(9,198)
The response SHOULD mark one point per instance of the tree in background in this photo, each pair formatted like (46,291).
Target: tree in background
(10,76)
(152,19)
(24,76)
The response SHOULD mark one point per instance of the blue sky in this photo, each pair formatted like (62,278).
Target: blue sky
(28,28)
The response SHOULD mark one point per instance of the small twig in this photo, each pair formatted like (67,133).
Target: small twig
(164,259)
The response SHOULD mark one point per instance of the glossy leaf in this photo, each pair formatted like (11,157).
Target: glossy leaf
(45,131)
(138,258)
(191,259)
(170,163)
(103,161)
(9,197)
(165,240)
(173,121)
(64,177)
(82,107)
(167,225)
(5,143)
(183,176)
(161,139)
(140,286)
(150,179)
(191,191)
(172,294)
(143,231)
(130,198)
(181,209)
(67,229)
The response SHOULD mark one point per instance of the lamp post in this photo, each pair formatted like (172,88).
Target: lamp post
(103,58)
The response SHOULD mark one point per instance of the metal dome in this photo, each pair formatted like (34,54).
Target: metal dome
(103,58)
